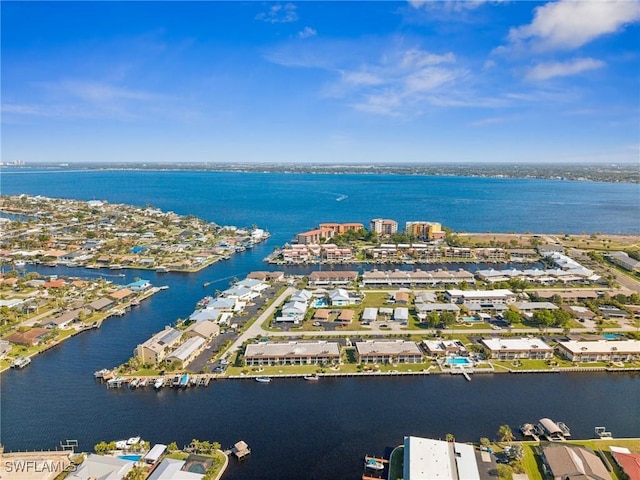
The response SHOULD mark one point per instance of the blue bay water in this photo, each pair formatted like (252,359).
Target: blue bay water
(305,429)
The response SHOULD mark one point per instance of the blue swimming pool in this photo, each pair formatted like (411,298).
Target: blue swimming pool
(131,458)
(471,319)
(320,303)
(458,361)
(610,336)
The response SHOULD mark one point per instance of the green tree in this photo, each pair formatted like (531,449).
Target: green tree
(505,434)
(511,316)
(447,319)
(172,447)
(449,437)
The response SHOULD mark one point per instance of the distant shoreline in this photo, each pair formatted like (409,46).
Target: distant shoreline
(612,173)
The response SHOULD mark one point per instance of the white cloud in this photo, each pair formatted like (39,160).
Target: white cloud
(307,32)
(569,24)
(279,13)
(451,5)
(546,71)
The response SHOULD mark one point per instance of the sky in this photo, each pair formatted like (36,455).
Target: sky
(331,82)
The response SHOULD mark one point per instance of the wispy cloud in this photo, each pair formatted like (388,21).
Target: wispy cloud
(307,32)
(569,24)
(451,5)
(546,71)
(279,13)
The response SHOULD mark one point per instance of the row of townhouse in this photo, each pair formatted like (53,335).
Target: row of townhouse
(295,310)
(314,253)
(326,231)
(417,278)
(403,351)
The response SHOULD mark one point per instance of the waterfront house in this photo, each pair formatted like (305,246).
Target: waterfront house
(292,353)
(571,461)
(252,284)
(57,283)
(65,320)
(267,276)
(156,348)
(31,337)
(204,314)
(516,348)
(600,350)
(388,351)
(139,286)
(172,469)
(227,304)
(439,348)
(121,295)
(436,459)
(240,293)
(628,462)
(101,304)
(102,467)
(155,453)
(206,329)
(187,351)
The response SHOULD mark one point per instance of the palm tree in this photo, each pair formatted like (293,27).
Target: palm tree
(505,434)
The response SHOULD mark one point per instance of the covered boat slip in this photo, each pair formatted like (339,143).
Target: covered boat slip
(552,430)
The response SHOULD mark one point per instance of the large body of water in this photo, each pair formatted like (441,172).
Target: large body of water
(305,429)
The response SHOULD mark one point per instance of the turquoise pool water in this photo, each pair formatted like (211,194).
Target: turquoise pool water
(320,304)
(471,319)
(458,361)
(610,336)
(131,458)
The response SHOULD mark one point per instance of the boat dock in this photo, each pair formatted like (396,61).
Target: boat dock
(178,381)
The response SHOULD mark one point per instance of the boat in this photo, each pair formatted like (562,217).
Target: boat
(133,441)
(263,379)
(121,444)
(115,266)
(134,383)
(21,362)
(19,263)
(162,269)
(373,464)
(159,382)
(601,432)
(184,380)
(176,381)
(143,382)
(115,382)
(566,432)
(101,373)
(312,378)
(341,198)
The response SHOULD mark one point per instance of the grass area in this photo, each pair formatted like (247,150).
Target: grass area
(532,463)
(177,455)
(145,372)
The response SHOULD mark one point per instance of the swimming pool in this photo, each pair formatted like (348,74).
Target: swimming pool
(320,303)
(458,361)
(610,336)
(131,458)
(470,319)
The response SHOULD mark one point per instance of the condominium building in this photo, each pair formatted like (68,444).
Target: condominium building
(383,226)
(425,230)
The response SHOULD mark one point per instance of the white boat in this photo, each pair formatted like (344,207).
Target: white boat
(158,383)
(373,464)
(21,362)
(133,441)
(121,444)
(134,383)
(143,382)
(19,263)
(263,379)
(101,373)
(312,378)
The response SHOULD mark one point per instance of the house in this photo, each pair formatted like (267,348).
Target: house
(623,260)
(346,316)
(155,349)
(267,276)
(101,305)
(628,462)
(155,453)
(516,348)
(188,350)
(401,314)
(253,284)
(301,296)
(571,461)
(121,295)
(369,315)
(342,298)
(528,308)
(293,312)
(424,309)
(139,286)
(31,337)
(206,329)
(205,314)
(65,320)
(401,298)
(172,469)
(426,459)
(227,304)
(101,467)
(388,351)
(240,292)
(57,283)
(292,353)
(321,314)
(444,347)
(609,311)
(580,312)
(600,350)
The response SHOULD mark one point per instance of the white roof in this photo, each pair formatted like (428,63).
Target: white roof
(498,293)
(184,351)
(519,344)
(275,349)
(154,454)
(426,459)
(401,313)
(602,346)
(169,469)
(101,467)
(387,347)
(370,314)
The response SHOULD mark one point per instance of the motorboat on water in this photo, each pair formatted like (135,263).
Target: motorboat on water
(373,464)
(158,383)
(101,373)
(263,379)
(312,378)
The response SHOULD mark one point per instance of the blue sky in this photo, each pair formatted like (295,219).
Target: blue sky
(334,82)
